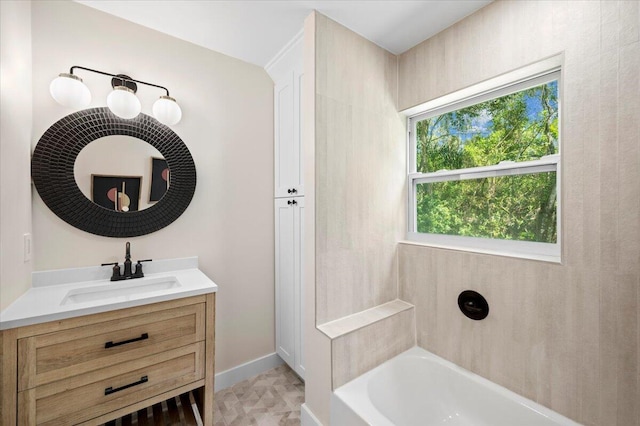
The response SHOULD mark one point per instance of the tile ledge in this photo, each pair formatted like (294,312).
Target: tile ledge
(350,323)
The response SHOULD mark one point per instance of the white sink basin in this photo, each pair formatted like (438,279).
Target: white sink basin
(120,291)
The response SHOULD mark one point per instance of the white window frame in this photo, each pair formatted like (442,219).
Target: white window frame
(551,163)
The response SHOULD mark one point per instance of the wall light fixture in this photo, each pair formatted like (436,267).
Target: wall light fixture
(69,90)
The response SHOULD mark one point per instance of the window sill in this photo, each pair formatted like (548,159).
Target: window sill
(416,240)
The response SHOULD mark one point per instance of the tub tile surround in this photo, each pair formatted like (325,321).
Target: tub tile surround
(439,321)
(359,172)
(355,339)
(364,318)
(355,353)
(566,336)
(355,155)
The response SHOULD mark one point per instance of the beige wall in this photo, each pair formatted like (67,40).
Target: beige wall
(228,127)
(567,335)
(15,151)
(360,172)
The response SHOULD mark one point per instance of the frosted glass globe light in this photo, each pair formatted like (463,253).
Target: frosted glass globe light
(167,111)
(69,90)
(124,103)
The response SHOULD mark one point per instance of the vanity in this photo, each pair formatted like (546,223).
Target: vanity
(78,348)
(90,345)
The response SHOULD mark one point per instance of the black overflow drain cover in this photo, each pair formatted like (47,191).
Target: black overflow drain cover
(473,305)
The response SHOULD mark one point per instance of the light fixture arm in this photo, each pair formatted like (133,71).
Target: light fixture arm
(120,77)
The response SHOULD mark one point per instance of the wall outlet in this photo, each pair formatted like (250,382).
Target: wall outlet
(27,247)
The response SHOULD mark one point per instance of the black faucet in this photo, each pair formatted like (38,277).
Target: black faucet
(127,262)
(128,274)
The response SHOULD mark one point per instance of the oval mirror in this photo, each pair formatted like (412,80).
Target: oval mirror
(122,173)
(59,182)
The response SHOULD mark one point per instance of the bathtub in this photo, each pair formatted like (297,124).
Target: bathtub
(420,388)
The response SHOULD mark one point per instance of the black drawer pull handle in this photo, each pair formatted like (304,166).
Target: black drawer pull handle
(110,390)
(144,336)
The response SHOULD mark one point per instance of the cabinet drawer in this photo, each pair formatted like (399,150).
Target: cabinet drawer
(55,356)
(86,396)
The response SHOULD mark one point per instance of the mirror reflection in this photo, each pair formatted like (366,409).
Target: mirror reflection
(122,173)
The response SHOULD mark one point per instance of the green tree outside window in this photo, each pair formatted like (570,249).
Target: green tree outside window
(522,126)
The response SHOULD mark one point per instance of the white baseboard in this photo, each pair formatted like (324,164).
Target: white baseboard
(230,377)
(307,418)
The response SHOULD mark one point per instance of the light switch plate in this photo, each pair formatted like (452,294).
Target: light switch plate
(27,247)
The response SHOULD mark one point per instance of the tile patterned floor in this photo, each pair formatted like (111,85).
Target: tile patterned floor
(269,399)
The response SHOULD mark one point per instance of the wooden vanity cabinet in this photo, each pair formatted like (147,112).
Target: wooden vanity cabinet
(95,368)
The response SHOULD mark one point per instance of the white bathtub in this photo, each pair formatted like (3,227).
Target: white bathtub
(418,388)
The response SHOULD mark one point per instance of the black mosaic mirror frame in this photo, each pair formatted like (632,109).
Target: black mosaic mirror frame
(52,170)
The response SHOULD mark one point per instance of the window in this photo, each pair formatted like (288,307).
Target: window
(484,171)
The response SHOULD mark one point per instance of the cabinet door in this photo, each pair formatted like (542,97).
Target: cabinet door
(287,137)
(298,221)
(285,279)
(289,226)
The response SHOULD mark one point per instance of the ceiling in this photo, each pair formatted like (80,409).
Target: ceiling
(255,31)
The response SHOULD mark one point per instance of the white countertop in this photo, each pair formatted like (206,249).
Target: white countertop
(44,301)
